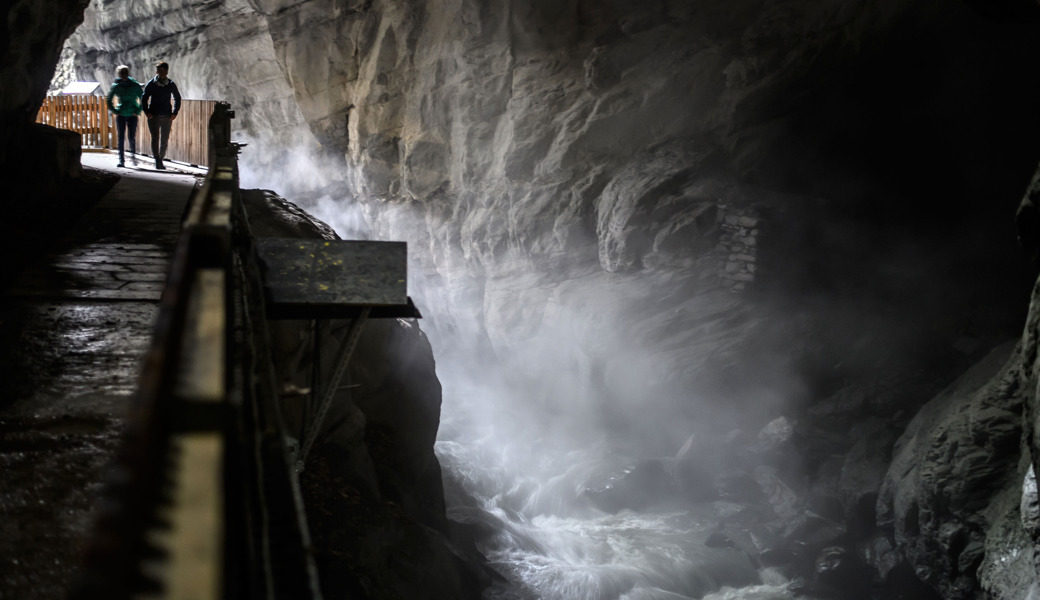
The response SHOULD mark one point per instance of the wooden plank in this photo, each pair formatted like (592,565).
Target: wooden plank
(305,278)
(92,126)
(95,124)
(106,141)
(89,116)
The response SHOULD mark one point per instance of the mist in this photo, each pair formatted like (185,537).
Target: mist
(599,429)
(580,434)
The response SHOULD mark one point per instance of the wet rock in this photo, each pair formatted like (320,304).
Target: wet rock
(758,541)
(1006,560)
(784,444)
(809,533)
(718,539)
(1029,507)
(776,434)
(635,487)
(879,552)
(738,486)
(839,571)
(953,467)
(696,466)
(783,500)
(863,471)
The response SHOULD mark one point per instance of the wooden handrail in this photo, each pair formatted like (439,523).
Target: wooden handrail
(89,116)
(202,503)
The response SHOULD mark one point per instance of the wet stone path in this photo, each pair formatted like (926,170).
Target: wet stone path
(73,328)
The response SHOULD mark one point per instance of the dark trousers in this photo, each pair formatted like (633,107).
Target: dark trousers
(125,126)
(160,130)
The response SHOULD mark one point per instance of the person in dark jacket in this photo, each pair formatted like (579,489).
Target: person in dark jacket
(161,101)
(124,100)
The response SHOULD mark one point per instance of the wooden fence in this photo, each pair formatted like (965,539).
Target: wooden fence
(89,116)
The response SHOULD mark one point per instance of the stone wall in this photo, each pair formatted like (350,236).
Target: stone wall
(741,240)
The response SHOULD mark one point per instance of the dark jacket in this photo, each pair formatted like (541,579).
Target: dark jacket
(128,93)
(157,98)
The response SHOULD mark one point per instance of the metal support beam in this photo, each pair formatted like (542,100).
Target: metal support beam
(342,360)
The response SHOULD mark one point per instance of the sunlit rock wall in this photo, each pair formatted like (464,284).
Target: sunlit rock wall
(618,186)
(216,50)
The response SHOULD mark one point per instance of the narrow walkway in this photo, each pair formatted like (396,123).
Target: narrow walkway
(73,329)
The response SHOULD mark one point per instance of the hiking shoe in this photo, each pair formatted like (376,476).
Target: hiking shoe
(133,160)
(119,164)
(159,166)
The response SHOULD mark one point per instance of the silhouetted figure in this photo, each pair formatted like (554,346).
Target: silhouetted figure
(124,101)
(162,101)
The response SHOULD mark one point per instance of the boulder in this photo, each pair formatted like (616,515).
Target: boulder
(840,572)
(785,502)
(636,487)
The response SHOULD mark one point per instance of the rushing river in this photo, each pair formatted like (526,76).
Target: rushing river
(520,484)
(517,457)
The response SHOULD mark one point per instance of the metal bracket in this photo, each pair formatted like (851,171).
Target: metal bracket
(342,360)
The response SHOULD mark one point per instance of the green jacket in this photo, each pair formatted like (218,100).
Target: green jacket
(127,93)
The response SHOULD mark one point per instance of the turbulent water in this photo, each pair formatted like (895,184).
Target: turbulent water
(519,484)
(517,455)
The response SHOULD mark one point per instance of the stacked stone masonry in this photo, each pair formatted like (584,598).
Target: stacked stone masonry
(740,238)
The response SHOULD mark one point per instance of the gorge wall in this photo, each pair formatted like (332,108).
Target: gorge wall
(37,160)
(709,214)
(558,166)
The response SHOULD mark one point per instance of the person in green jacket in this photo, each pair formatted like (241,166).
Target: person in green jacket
(124,100)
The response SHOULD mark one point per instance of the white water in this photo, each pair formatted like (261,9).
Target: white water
(522,483)
(521,459)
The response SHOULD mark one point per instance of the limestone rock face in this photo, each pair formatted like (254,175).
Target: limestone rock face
(216,51)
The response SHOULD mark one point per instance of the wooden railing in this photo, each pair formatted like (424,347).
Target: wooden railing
(89,116)
(202,502)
